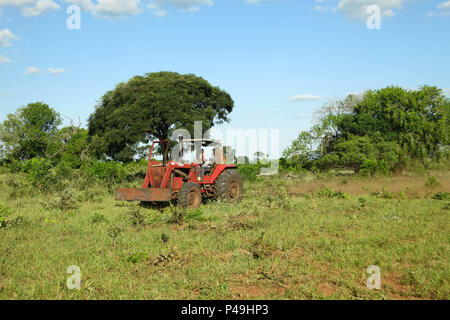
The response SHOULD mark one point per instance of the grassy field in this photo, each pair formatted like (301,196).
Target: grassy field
(291,237)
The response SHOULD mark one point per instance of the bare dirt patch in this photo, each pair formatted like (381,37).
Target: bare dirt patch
(249,292)
(327,288)
(393,282)
(411,186)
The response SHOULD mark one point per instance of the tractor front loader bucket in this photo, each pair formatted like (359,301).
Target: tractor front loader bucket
(147,194)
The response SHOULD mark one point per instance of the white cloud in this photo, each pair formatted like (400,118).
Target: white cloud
(444,5)
(41,6)
(158,6)
(15,3)
(112,9)
(6,36)
(304,97)
(56,70)
(257,2)
(357,9)
(156,11)
(443,10)
(4,59)
(117,8)
(31,8)
(33,70)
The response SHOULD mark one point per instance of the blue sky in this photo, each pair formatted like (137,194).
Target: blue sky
(280,60)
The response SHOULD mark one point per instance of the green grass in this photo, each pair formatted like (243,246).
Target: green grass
(272,245)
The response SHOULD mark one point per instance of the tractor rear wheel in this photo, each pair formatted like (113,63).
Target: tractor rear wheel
(228,186)
(190,196)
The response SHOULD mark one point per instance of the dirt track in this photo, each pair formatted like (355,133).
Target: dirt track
(411,186)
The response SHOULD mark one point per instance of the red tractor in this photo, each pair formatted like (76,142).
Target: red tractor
(188,183)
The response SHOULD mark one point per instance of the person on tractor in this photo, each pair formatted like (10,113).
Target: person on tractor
(188,183)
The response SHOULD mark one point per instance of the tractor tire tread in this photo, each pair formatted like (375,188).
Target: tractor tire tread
(184,193)
(222,181)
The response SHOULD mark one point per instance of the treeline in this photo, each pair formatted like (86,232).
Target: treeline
(378,131)
(33,142)
(119,130)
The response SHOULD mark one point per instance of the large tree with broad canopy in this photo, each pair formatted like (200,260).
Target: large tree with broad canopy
(151,107)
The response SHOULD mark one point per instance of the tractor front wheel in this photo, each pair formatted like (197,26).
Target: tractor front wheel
(190,196)
(228,186)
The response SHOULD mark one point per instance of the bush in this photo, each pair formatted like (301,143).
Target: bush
(136,170)
(40,172)
(442,196)
(384,167)
(371,166)
(98,218)
(368,167)
(329,193)
(137,218)
(64,201)
(249,171)
(4,211)
(292,165)
(107,171)
(432,182)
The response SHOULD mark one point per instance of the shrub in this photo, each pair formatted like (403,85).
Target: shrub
(64,201)
(329,193)
(107,171)
(196,214)
(442,196)
(4,211)
(136,170)
(292,165)
(249,171)
(384,167)
(177,214)
(371,166)
(40,172)
(138,257)
(137,217)
(74,150)
(385,194)
(368,167)
(64,171)
(114,233)
(97,218)
(431,182)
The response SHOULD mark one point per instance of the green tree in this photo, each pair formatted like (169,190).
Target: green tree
(302,149)
(380,130)
(74,147)
(150,107)
(29,132)
(416,120)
